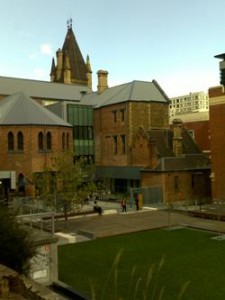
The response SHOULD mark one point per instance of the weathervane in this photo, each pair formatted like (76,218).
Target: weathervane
(69,23)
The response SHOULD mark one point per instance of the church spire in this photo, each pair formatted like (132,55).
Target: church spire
(78,68)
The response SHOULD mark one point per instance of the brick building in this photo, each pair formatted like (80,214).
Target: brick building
(29,135)
(217,116)
(107,125)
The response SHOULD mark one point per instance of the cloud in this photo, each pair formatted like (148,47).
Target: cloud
(46,49)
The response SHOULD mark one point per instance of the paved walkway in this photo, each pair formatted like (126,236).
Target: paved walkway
(133,221)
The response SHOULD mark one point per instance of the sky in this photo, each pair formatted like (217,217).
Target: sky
(171,41)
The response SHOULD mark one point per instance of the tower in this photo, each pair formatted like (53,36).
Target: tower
(71,67)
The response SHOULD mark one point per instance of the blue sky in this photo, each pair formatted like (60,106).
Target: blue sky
(171,41)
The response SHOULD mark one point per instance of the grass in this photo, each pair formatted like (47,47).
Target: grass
(156,264)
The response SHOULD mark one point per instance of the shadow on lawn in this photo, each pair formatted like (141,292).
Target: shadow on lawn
(149,285)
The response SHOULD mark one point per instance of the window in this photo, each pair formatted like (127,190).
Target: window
(20,141)
(123,138)
(67,141)
(176,183)
(63,141)
(40,141)
(122,114)
(115,116)
(10,141)
(115,144)
(49,140)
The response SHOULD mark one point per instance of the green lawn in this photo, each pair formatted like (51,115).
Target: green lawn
(119,267)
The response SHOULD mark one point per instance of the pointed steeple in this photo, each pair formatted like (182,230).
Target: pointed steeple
(72,56)
(53,70)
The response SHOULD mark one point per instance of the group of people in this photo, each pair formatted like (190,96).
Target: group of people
(137,201)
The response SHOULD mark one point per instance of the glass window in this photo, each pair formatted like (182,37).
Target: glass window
(123,138)
(115,140)
(40,141)
(49,140)
(67,141)
(20,141)
(63,141)
(114,116)
(10,141)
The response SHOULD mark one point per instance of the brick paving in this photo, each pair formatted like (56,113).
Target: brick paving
(118,223)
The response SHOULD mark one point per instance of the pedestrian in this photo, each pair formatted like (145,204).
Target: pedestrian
(124,205)
(136,199)
(97,208)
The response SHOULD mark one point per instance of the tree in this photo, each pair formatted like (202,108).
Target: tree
(16,244)
(67,184)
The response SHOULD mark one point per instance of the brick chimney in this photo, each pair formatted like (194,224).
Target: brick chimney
(177,137)
(102,80)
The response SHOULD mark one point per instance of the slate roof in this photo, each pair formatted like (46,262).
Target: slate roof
(77,65)
(132,91)
(19,109)
(42,89)
(191,159)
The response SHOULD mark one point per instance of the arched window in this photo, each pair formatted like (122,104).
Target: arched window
(10,141)
(67,141)
(40,141)
(20,141)
(63,141)
(49,140)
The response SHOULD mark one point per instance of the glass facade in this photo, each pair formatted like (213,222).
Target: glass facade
(81,117)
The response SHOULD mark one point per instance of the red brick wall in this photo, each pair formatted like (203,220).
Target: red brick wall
(201,134)
(217,118)
(30,160)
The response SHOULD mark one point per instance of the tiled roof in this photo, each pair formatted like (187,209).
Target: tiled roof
(191,159)
(19,109)
(77,64)
(132,91)
(42,89)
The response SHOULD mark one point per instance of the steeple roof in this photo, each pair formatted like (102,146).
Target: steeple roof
(76,60)
(19,109)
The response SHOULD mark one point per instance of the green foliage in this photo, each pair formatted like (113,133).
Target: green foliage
(67,184)
(16,245)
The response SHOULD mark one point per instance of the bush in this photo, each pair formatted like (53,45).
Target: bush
(16,245)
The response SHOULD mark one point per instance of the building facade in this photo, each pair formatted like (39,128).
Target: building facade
(30,134)
(186,104)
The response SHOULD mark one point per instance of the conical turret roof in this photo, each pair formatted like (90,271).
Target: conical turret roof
(76,60)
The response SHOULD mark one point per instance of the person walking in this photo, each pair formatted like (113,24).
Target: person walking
(124,205)
(136,199)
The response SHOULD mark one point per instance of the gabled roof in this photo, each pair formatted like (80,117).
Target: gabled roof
(191,159)
(19,109)
(132,91)
(42,89)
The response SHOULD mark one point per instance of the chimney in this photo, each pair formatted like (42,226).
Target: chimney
(102,80)
(177,137)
